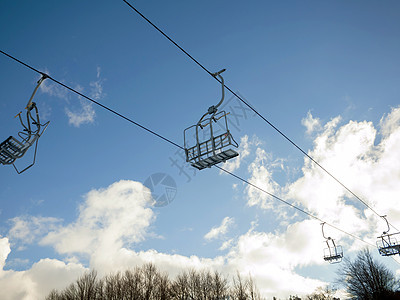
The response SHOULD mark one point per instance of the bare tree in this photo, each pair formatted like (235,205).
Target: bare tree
(162,287)
(194,284)
(366,278)
(179,287)
(113,287)
(199,285)
(239,289)
(252,290)
(133,284)
(322,294)
(149,274)
(206,282)
(219,287)
(53,295)
(87,287)
(147,283)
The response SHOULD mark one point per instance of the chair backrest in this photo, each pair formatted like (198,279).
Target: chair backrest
(333,254)
(208,138)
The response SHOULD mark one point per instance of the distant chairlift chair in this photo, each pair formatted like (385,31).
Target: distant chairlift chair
(210,147)
(388,244)
(333,254)
(13,148)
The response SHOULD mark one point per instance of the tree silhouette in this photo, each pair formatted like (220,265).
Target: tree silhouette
(148,283)
(368,279)
(322,293)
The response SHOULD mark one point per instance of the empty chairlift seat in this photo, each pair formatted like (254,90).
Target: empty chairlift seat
(389,244)
(332,254)
(210,142)
(11,149)
(14,148)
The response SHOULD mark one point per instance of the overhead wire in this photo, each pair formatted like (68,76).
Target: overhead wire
(88,98)
(255,111)
(179,146)
(291,205)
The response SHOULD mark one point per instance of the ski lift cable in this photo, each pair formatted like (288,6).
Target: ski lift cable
(178,146)
(291,205)
(297,208)
(88,98)
(255,111)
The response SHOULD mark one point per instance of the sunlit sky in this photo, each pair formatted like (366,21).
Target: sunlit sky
(326,73)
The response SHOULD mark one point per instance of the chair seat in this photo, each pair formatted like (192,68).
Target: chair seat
(11,149)
(390,250)
(388,244)
(215,159)
(333,257)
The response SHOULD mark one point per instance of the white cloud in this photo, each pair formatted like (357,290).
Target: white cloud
(221,230)
(4,251)
(112,220)
(267,257)
(53,89)
(311,124)
(97,86)
(108,219)
(107,231)
(38,281)
(17,262)
(370,170)
(289,249)
(271,257)
(27,229)
(350,153)
(261,176)
(391,122)
(226,245)
(244,151)
(85,115)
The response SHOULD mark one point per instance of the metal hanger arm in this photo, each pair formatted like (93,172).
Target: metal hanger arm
(44,76)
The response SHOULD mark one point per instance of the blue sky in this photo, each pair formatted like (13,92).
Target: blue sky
(325,73)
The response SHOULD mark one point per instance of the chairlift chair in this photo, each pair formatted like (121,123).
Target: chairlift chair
(13,148)
(212,144)
(332,254)
(388,244)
